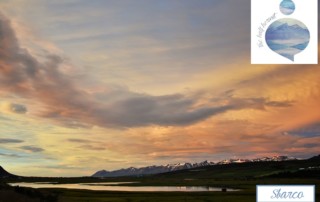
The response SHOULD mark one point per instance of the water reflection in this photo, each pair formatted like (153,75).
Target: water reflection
(107,183)
(106,186)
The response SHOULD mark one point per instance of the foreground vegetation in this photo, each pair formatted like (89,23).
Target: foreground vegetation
(22,194)
(156,196)
(241,176)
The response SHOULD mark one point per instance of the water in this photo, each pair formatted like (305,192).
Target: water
(106,186)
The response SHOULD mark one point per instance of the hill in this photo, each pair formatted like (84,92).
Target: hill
(315,158)
(5,174)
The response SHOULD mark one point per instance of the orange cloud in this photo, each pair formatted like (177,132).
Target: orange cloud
(67,104)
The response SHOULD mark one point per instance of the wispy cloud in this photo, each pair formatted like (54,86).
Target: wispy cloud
(91,147)
(9,141)
(10,155)
(78,140)
(33,149)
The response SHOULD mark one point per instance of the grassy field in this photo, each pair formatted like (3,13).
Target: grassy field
(156,196)
(241,176)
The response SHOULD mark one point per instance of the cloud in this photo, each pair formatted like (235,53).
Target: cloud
(312,145)
(10,155)
(91,147)
(19,109)
(279,104)
(118,107)
(32,149)
(78,140)
(24,75)
(311,130)
(258,103)
(61,167)
(8,141)
(13,108)
(86,146)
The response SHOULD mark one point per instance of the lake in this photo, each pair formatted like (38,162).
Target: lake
(112,186)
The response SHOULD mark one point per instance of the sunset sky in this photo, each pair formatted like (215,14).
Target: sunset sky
(107,84)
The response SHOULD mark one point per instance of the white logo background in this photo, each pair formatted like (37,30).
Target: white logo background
(306,11)
(265,193)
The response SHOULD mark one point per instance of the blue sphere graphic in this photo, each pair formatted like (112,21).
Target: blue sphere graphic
(287,7)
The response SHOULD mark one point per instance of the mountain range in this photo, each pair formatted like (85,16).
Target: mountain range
(300,164)
(286,32)
(148,170)
(132,171)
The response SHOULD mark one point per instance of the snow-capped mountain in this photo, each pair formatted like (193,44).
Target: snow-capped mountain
(150,169)
(132,171)
(275,158)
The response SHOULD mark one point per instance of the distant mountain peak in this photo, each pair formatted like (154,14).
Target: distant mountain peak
(285,25)
(295,26)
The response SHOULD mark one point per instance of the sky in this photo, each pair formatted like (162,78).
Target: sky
(103,84)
